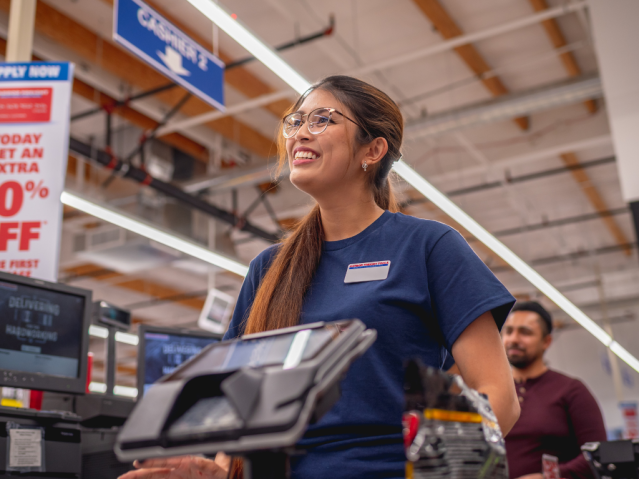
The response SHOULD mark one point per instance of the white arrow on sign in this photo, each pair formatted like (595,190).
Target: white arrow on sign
(173,60)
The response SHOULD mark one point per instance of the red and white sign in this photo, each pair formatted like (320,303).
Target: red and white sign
(550,467)
(25,105)
(35,100)
(630,420)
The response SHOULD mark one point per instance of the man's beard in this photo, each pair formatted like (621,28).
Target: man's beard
(521,362)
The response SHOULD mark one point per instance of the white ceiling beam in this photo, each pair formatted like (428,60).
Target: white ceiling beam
(236,109)
(497,167)
(471,38)
(506,107)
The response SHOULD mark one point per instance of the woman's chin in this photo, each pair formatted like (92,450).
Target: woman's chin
(302,180)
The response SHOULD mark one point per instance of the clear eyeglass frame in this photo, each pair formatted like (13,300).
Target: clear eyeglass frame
(318,121)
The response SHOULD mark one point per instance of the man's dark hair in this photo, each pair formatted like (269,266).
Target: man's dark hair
(535,307)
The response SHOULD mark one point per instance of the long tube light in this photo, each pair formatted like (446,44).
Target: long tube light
(267,56)
(148,231)
(251,43)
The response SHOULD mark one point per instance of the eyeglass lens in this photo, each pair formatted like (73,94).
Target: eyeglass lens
(317,122)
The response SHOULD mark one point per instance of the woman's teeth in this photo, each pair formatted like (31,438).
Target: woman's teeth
(306,154)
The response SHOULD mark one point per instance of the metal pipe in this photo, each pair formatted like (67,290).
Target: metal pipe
(572,256)
(506,107)
(560,222)
(127,171)
(520,179)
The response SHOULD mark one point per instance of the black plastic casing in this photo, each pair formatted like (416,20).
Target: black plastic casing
(276,404)
(44,382)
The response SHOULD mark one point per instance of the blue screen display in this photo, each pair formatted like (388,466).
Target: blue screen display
(163,353)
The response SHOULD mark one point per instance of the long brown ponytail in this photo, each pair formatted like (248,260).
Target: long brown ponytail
(279,298)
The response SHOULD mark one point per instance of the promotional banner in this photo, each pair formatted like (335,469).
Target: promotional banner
(35,102)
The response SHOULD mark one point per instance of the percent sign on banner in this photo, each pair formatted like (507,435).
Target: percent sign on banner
(34,138)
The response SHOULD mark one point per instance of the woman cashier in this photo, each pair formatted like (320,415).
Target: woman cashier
(417,282)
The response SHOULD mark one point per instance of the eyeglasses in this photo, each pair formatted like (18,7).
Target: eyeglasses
(318,120)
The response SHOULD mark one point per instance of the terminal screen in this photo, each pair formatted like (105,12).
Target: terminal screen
(287,350)
(165,352)
(40,330)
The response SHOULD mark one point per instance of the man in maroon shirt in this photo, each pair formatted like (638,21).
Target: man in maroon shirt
(558,413)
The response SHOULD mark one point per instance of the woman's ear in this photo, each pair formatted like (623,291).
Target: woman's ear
(374,151)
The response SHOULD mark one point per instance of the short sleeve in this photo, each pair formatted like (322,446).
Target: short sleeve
(462,288)
(242,306)
(257,270)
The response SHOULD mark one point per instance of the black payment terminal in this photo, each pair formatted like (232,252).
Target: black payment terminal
(248,397)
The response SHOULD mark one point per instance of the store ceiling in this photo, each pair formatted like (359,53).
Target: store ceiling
(553,208)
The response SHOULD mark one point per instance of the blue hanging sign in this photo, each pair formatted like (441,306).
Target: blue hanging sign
(150,36)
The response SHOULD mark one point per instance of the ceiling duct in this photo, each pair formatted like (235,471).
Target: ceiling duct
(507,107)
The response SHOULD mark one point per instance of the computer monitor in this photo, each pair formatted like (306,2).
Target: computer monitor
(44,334)
(111,315)
(162,350)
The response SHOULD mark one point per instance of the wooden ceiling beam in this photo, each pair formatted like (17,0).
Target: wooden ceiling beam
(596,200)
(87,44)
(87,92)
(558,40)
(448,29)
(239,78)
(137,285)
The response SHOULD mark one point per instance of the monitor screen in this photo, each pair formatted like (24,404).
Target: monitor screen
(41,329)
(287,350)
(163,351)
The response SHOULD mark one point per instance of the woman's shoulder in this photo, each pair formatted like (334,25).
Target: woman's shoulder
(431,228)
(260,264)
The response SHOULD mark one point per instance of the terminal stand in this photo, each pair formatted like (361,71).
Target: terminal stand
(111,363)
(266,465)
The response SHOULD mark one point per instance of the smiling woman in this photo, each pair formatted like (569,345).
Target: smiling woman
(416,282)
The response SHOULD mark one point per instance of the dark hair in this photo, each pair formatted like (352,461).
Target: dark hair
(535,307)
(279,298)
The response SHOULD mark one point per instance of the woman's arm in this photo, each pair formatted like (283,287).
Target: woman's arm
(481,359)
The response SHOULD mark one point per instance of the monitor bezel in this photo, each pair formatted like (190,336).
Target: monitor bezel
(97,307)
(146,328)
(46,382)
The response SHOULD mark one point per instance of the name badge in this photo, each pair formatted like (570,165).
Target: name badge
(360,272)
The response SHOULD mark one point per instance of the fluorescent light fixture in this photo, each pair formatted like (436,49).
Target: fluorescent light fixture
(290,76)
(98,331)
(250,42)
(127,338)
(97,387)
(125,391)
(117,390)
(152,232)
(620,351)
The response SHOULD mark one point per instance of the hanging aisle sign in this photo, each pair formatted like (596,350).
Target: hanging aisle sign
(35,102)
(154,39)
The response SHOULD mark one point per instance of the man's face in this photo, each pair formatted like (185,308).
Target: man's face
(523,338)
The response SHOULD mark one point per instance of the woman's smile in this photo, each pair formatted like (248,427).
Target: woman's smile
(304,155)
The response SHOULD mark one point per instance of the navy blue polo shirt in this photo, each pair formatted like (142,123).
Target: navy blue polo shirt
(436,287)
